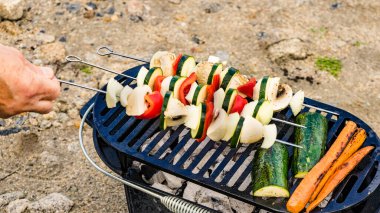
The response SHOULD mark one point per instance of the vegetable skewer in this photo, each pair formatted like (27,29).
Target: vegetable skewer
(104,92)
(72,58)
(101,52)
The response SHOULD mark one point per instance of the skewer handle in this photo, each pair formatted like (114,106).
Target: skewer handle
(73,58)
(81,86)
(104,51)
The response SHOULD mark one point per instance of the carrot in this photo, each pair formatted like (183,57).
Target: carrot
(342,171)
(303,192)
(355,143)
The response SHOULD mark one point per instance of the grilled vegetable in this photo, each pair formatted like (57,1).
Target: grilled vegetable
(270,134)
(247,89)
(226,77)
(252,131)
(218,126)
(125,92)
(297,102)
(165,60)
(235,139)
(219,98)
(167,97)
(154,101)
(266,88)
(216,69)
(113,93)
(175,84)
(192,121)
(176,62)
(303,192)
(356,141)
(137,97)
(190,94)
(203,70)
(185,88)
(165,85)
(232,122)
(212,88)
(151,76)
(342,172)
(312,139)
(201,117)
(236,81)
(229,99)
(186,66)
(238,104)
(175,113)
(269,173)
(199,94)
(157,83)
(141,76)
(283,97)
(208,120)
(262,110)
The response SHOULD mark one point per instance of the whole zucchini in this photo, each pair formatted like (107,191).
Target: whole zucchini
(270,172)
(313,139)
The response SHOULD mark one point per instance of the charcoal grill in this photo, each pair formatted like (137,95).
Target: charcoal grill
(122,137)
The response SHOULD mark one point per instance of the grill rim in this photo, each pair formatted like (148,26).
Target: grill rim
(331,207)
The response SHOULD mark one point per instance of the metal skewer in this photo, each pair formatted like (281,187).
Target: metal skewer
(320,109)
(73,58)
(288,122)
(104,92)
(104,51)
(287,143)
(81,86)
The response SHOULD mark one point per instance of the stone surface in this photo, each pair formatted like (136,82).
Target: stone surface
(135,9)
(52,53)
(11,9)
(10,28)
(18,206)
(10,196)
(288,49)
(54,202)
(175,1)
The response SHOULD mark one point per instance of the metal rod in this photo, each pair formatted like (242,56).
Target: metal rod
(287,143)
(320,109)
(104,51)
(288,122)
(73,58)
(81,86)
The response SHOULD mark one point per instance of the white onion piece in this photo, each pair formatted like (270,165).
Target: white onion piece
(124,95)
(165,85)
(219,98)
(141,76)
(113,92)
(136,99)
(218,126)
(270,135)
(297,102)
(190,95)
(252,130)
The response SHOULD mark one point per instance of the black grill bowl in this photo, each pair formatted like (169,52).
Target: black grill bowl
(125,135)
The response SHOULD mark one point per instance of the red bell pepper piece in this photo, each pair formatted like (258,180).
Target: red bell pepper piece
(157,83)
(247,89)
(212,88)
(175,64)
(154,101)
(185,88)
(208,119)
(239,104)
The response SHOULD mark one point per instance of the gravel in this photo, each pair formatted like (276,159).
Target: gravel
(11,9)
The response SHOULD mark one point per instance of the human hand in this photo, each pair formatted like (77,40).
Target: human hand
(24,87)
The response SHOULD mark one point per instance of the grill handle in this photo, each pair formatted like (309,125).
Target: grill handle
(173,203)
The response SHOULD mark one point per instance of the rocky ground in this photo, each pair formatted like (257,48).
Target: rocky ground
(41,166)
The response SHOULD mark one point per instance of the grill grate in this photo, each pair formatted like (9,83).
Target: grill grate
(128,135)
